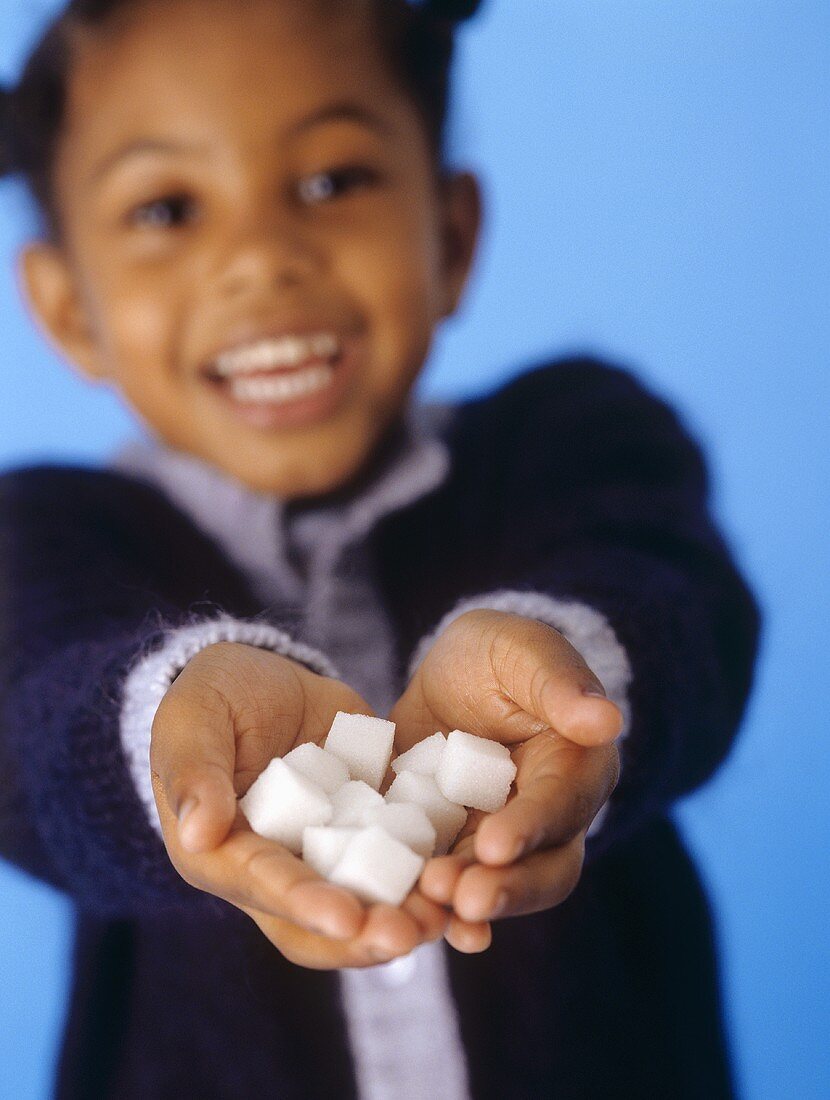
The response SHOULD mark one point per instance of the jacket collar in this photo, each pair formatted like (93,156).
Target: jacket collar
(221,506)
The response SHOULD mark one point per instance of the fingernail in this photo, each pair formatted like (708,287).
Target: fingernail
(381,954)
(594,693)
(519,848)
(328,926)
(186,807)
(185,815)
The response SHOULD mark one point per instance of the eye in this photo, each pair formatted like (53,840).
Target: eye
(335,182)
(168,212)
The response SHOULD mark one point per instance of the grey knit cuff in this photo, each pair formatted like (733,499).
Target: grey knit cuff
(153,673)
(587,629)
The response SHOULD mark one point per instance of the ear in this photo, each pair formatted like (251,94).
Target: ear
(52,296)
(462,212)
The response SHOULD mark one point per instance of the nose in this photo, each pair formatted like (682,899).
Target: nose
(267,250)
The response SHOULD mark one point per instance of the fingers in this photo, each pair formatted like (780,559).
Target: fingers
(546,678)
(321,921)
(470,938)
(527,856)
(435,891)
(479,894)
(540,881)
(387,933)
(439,880)
(227,714)
(585,718)
(192,758)
(206,809)
(213,726)
(317,952)
(441,874)
(432,918)
(250,871)
(390,932)
(560,789)
(232,709)
(300,946)
(505,676)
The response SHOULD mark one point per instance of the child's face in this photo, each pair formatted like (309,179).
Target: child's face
(231,173)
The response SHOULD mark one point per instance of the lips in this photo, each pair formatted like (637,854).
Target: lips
(286,379)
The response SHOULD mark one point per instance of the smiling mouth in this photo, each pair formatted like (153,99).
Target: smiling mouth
(279,370)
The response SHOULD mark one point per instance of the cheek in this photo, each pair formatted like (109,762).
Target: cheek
(397,273)
(412,312)
(134,323)
(144,325)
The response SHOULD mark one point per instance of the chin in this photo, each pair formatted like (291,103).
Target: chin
(293,481)
(305,464)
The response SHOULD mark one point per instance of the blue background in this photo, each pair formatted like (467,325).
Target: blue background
(658,190)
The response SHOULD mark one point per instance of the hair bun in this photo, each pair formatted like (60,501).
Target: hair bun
(7,160)
(454,11)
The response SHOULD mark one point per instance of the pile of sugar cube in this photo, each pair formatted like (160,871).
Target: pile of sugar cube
(325,803)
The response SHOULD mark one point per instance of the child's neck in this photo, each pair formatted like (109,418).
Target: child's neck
(388,448)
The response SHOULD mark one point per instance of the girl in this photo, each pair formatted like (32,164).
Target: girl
(251,230)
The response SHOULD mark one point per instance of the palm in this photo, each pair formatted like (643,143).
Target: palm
(277,706)
(521,683)
(231,710)
(453,690)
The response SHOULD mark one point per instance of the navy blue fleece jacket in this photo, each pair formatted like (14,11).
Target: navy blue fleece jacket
(573,481)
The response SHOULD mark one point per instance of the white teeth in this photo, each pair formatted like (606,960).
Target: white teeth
(284,388)
(286,351)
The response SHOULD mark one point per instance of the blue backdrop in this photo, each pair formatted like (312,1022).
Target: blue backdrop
(658,191)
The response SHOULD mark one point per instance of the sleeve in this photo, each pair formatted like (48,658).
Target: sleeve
(91,639)
(606,516)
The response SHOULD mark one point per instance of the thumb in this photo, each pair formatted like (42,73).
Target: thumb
(582,715)
(206,810)
(192,763)
(551,681)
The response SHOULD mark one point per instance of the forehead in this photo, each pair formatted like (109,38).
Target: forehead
(225,66)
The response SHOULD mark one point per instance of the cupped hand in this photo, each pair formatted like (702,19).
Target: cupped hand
(231,710)
(519,682)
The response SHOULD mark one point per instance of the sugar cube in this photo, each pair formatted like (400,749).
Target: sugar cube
(363,743)
(325,802)
(352,802)
(377,867)
(281,802)
(407,823)
(422,758)
(323,768)
(447,817)
(323,846)
(475,771)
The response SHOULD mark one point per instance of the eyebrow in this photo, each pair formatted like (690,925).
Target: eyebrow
(334,112)
(345,111)
(141,148)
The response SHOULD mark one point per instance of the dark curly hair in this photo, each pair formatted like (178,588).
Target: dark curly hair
(417,39)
